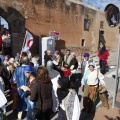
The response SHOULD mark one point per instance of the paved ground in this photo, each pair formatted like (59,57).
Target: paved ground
(103,114)
(100,113)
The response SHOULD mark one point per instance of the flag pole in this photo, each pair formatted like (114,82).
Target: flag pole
(24,41)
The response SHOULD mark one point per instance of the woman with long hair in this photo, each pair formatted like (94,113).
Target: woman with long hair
(41,94)
(103,56)
(29,73)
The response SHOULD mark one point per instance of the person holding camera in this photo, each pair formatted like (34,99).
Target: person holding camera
(20,79)
(29,73)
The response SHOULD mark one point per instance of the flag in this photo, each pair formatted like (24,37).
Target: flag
(28,42)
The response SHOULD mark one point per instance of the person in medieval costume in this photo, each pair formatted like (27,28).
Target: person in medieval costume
(48,56)
(29,73)
(69,102)
(103,55)
(21,80)
(67,57)
(11,68)
(5,74)
(54,75)
(73,65)
(91,81)
(85,63)
(57,61)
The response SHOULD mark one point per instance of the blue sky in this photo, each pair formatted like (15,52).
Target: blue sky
(4,22)
(102,3)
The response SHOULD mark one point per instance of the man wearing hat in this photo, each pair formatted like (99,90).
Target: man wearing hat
(85,62)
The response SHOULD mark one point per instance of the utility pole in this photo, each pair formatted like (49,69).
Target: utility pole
(112,14)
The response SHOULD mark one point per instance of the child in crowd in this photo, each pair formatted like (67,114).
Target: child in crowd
(66,71)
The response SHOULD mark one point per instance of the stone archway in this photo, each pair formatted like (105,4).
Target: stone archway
(17,28)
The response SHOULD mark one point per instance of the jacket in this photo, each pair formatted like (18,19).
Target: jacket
(41,94)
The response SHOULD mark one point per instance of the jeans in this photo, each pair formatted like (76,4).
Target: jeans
(30,106)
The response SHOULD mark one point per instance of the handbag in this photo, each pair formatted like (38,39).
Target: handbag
(104,100)
(101,89)
(35,113)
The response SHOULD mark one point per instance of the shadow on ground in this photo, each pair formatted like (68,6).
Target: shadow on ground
(109,118)
(86,116)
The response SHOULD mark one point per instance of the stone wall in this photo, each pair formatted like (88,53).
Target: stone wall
(42,16)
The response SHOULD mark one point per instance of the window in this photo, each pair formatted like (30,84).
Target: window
(101,24)
(86,24)
(83,42)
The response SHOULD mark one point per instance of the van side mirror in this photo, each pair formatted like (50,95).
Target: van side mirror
(112,15)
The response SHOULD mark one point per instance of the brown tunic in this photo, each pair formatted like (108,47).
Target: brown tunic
(45,100)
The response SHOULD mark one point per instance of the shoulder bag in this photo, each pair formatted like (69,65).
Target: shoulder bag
(102,95)
(101,89)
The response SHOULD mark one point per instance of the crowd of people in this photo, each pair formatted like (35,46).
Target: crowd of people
(5,41)
(45,89)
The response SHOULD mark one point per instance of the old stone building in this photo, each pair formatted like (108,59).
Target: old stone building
(78,24)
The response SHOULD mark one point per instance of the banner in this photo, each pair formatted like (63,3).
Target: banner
(55,35)
(28,41)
